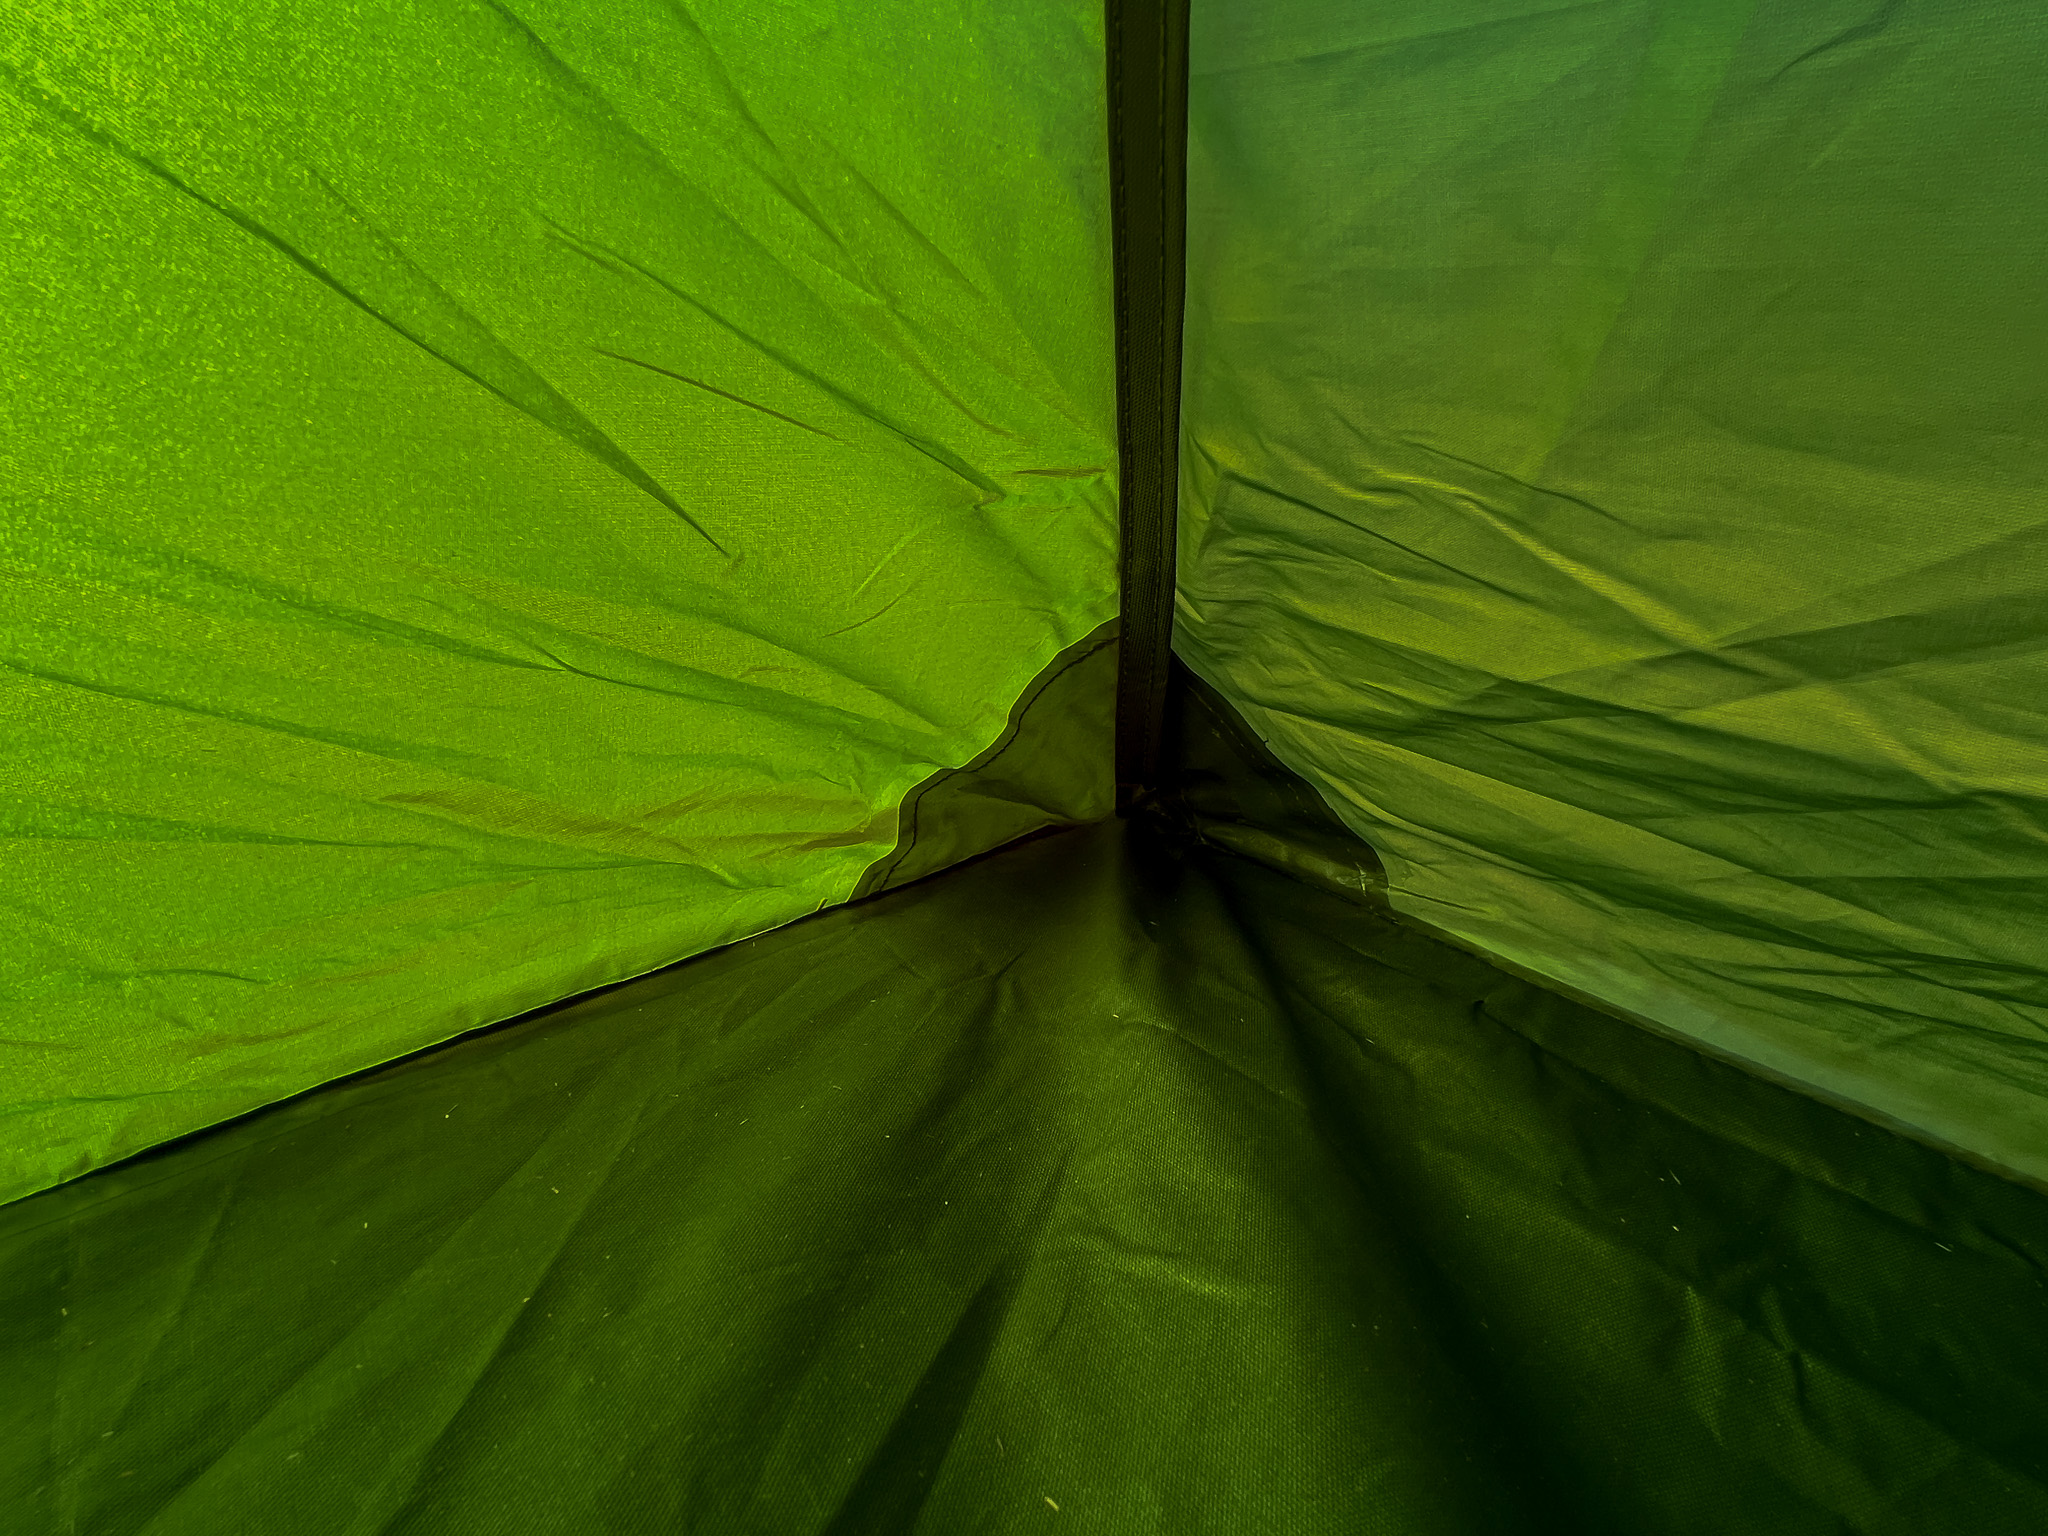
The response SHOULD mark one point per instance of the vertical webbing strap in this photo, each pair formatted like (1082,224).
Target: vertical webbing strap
(1148,121)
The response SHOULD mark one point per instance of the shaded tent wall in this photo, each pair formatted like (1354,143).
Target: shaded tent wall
(502,498)
(1617,479)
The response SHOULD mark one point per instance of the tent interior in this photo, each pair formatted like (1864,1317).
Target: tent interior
(818,768)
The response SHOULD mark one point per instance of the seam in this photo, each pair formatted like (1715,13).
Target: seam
(1013,732)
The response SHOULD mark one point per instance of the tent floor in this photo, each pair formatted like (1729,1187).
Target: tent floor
(1097,1185)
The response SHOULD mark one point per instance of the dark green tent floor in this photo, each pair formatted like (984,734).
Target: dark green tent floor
(1098,1185)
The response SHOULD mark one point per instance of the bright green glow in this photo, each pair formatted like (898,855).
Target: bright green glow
(504,496)
(1615,478)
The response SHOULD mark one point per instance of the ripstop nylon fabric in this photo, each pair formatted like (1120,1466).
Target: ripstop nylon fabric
(1615,478)
(504,494)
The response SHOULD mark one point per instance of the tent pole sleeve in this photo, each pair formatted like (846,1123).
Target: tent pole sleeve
(1148,115)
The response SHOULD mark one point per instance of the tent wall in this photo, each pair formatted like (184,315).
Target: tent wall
(1614,477)
(502,496)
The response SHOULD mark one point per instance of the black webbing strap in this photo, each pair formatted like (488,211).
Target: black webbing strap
(1148,130)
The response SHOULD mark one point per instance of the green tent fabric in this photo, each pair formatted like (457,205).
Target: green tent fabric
(509,498)
(1625,502)
(588,587)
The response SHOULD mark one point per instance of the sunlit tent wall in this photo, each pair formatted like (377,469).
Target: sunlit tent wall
(618,920)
